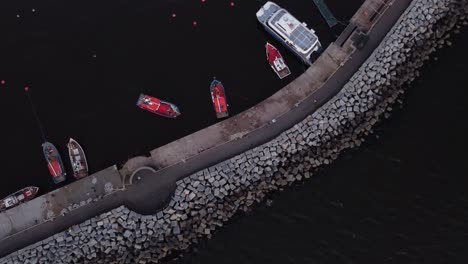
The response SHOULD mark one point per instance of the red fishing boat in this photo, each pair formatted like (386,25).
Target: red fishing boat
(156,106)
(276,61)
(51,154)
(18,197)
(54,162)
(219,99)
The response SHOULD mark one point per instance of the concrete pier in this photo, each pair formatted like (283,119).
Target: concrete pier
(59,209)
(50,206)
(204,198)
(102,191)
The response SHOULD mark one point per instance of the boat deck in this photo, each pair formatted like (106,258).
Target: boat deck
(266,11)
(219,99)
(294,31)
(273,55)
(222,115)
(284,72)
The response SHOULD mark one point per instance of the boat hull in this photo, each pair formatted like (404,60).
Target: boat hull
(78,159)
(218,96)
(54,162)
(21,196)
(276,61)
(157,106)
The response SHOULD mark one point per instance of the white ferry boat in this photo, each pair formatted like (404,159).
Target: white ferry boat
(289,31)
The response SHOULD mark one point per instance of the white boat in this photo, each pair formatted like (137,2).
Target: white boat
(77,159)
(293,34)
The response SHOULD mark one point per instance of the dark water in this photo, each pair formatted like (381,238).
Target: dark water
(87,61)
(401,198)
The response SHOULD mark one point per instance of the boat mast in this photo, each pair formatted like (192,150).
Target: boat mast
(35,114)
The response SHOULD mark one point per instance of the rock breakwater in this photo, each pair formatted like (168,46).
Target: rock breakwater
(205,200)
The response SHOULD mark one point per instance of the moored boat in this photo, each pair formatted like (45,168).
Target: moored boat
(54,162)
(18,197)
(284,27)
(77,159)
(218,96)
(276,61)
(157,106)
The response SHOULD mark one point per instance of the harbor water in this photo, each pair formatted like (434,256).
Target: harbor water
(400,198)
(87,62)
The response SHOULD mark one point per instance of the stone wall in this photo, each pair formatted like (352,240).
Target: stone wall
(205,200)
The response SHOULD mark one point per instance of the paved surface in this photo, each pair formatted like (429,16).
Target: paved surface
(198,151)
(22,217)
(149,192)
(147,195)
(41,217)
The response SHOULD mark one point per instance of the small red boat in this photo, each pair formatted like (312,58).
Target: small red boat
(219,99)
(54,162)
(276,61)
(156,106)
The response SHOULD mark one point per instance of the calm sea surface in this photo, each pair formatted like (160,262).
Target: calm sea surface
(86,62)
(401,198)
